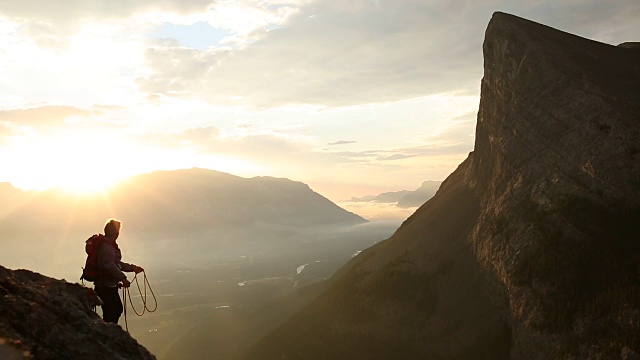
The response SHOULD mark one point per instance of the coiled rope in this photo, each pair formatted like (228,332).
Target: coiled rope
(143,296)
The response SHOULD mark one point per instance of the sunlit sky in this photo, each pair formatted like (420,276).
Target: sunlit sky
(352,97)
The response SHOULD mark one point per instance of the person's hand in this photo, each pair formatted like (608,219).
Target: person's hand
(126,283)
(137,269)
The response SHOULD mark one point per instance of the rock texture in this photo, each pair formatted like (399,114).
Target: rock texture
(530,249)
(44,318)
(557,168)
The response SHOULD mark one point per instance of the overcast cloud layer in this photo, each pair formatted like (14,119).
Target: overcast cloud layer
(326,52)
(356,96)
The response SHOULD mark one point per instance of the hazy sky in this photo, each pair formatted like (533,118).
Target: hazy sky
(351,97)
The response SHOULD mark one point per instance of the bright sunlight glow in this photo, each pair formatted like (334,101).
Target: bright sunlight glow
(91,161)
(77,162)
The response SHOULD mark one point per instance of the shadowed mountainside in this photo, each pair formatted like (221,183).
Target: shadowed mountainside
(44,318)
(529,250)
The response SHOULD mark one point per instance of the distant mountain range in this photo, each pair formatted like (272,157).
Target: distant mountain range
(404,198)
(530,248)
(173,202)
(189,219)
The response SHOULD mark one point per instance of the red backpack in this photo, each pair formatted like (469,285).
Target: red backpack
(91,269)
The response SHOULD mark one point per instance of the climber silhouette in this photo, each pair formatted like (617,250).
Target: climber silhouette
(111,273)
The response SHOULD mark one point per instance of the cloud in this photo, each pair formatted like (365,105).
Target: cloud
(342,142)
(51,23)
(335,54)
(210,140)
(455,137)
(422,151)
(42,116)
(338,53)
(325,52)
(460,130)
(202,135)
(271,153)
(75,11)
(275,154)
(5,131)
(287,157)
(393,157)
(369,154)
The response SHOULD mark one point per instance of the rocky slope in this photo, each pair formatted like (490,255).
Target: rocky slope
(529,250)
(44,318)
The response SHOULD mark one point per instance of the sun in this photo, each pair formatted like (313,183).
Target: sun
(77,162)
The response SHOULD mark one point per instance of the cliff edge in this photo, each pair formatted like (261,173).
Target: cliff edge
(44,318)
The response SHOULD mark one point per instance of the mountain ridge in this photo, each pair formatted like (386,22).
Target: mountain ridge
(176,200)
(404,198)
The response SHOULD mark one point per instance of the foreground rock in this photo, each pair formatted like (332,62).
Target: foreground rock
(530,249)
(44,318)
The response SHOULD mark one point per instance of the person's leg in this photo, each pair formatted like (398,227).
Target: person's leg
(112,307)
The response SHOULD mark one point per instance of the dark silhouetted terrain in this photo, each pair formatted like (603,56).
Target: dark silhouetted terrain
(43,318)
(530,249)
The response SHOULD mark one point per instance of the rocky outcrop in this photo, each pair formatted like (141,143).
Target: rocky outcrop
(44,318)
(557,168)
(529,250)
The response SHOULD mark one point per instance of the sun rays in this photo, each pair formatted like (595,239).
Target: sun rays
(81,163)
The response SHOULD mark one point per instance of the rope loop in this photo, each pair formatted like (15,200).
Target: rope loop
(143,295)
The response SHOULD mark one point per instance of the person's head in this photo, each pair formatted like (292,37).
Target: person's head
(112,228)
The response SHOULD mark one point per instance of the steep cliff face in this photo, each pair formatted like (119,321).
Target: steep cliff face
(44,318)
(557,168)
(530,249)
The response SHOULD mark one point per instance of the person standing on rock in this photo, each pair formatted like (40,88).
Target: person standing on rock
(111,273)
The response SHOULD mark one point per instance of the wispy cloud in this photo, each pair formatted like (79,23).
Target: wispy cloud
(393,157)
(5,131)
(342,142)
(42,116)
